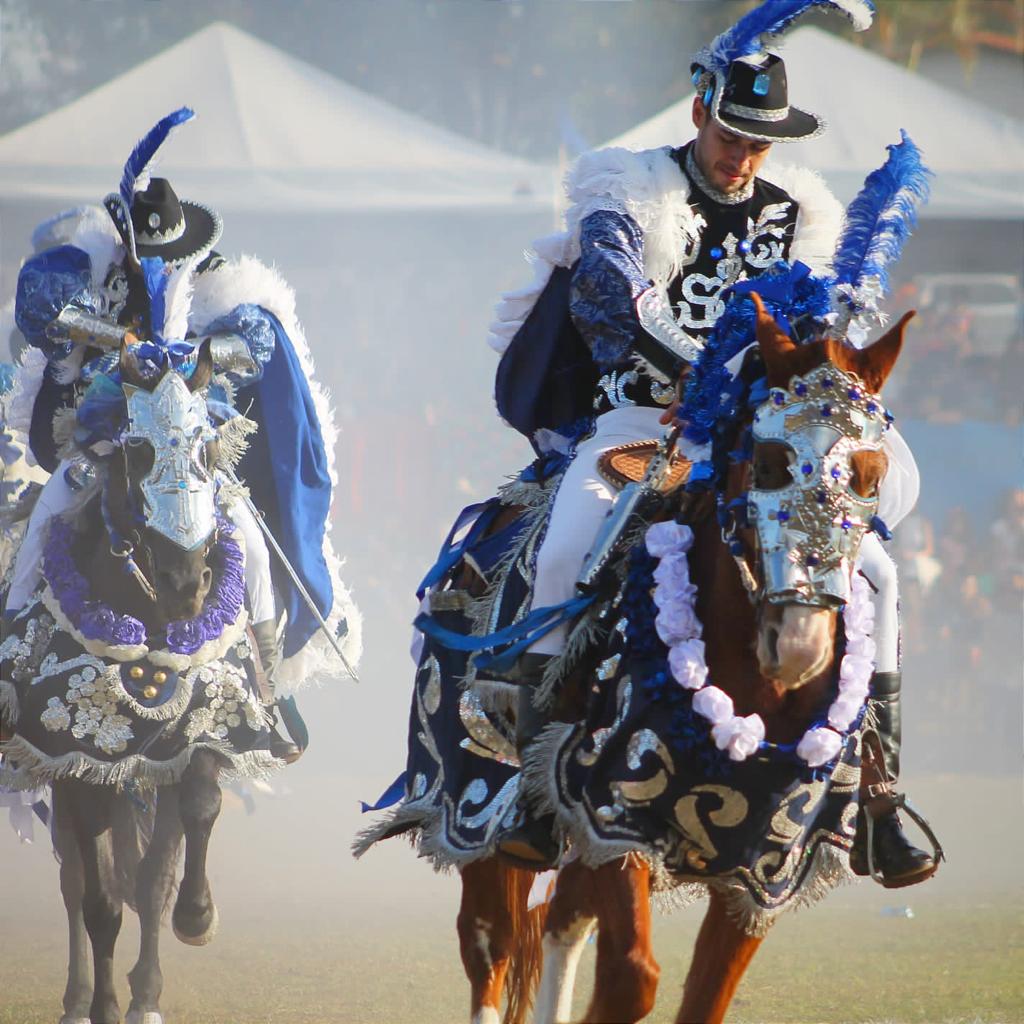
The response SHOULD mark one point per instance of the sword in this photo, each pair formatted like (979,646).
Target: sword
(303,592)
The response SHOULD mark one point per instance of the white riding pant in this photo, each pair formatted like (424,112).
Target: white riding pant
(57,497)
(585,498)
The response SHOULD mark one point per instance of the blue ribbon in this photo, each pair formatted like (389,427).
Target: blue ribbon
(175,351)
(776,291)
(450,553)
(389,797)
(520,634)
(880,527)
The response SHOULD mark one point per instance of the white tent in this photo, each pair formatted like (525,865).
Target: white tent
(977,155)
(272,132)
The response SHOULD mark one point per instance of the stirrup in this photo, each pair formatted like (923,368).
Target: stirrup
(899,802)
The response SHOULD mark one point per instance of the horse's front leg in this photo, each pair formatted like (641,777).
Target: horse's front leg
(626,974)
(720,959)
(91,812)
(195,914)
(78,991)
(153,881)
(571,918)
(485,927)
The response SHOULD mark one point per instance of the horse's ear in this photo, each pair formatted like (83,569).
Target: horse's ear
(874,364)
(773,341)
(203,373)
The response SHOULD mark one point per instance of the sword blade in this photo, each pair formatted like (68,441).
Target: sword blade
(299,586)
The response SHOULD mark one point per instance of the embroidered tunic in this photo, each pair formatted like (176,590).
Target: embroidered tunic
(739,237)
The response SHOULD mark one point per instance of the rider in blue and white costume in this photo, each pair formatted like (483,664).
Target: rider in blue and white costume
(80,295)
(653,239)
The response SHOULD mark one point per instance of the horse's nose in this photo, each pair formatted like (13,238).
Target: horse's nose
(794,644)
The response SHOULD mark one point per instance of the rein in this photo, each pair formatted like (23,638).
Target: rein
(123,549)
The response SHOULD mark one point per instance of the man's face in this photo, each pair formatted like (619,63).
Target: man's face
(727,160)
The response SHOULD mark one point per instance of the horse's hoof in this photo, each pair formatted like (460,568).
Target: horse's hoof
(143,1017)
(74,1020)
(202,938)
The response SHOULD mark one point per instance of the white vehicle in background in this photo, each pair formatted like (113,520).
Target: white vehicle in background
(995,303)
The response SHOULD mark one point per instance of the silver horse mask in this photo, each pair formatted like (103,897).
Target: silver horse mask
(810,530)
(179,491)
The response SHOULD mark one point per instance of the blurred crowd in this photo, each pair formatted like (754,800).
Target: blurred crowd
(962,594)
(964,358)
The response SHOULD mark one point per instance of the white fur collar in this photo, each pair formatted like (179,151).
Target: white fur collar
(650,187)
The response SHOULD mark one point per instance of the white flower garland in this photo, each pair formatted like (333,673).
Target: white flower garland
(680,630)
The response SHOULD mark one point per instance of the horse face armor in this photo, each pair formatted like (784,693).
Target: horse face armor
(810,530)
(179,490)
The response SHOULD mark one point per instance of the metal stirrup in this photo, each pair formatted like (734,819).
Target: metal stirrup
(900,802)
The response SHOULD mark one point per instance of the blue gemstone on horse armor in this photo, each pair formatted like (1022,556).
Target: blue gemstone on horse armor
(800,389)
(826,382)
(872,407)
(812,559)
(826,410)
(778,398)
(807,469)
(822,497)
(836,472)
(717,252)
(846,524)
(761,84)
(853,394)
(744,246)
(182,484)
(783,515)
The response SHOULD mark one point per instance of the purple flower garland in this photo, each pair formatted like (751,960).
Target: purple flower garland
(96,621)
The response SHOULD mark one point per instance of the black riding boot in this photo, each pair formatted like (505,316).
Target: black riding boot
(896,860)
(266,643)
(530,841)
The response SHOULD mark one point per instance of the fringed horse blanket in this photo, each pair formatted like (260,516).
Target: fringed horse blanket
(87,695)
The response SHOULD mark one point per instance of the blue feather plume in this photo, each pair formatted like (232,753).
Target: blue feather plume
(879,221)
(753,32)
(155,275)
(145,149)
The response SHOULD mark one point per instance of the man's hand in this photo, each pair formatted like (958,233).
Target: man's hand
(667,417)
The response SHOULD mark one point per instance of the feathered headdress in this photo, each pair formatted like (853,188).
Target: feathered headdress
(135,177)
(756,30)
(878,223)
(744,87)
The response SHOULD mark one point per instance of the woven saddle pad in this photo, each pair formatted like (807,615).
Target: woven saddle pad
(628,463)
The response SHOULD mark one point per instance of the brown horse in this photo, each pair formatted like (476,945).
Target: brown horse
(119,836)
(775,659)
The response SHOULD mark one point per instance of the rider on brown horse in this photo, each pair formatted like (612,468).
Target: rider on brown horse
(654,239)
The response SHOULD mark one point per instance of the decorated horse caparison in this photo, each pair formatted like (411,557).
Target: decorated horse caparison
(711,706)
(131,684)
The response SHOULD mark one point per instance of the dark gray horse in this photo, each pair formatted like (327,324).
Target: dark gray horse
(131,685)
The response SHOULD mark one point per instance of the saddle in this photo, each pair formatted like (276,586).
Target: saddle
(627,463)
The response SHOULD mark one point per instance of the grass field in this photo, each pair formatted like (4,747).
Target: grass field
(374,942)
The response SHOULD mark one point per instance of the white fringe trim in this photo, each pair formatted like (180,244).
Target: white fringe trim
(34,768)
(215,293)
(649,186)
(829,866)
(423,824)
(10,708)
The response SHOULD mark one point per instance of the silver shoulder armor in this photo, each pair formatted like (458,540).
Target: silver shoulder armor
(231,355)
(656,319)
(81,327)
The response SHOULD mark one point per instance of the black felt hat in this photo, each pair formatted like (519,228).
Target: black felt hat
(751,98)
(164,225)
(171,228)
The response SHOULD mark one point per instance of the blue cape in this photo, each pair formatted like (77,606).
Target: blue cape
(285,470)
